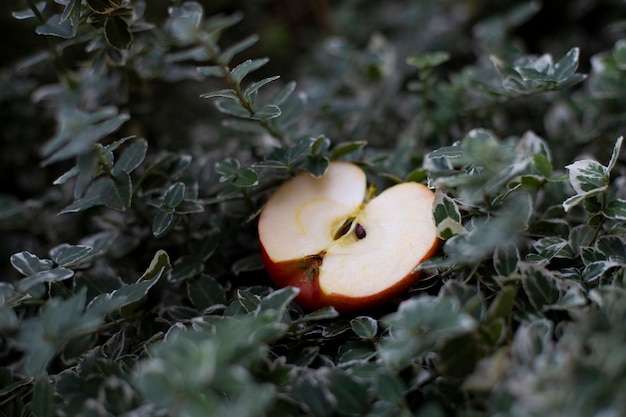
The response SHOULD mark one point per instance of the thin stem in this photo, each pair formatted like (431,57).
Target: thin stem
(243,100)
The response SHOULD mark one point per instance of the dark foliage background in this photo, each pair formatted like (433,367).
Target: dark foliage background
(141,139)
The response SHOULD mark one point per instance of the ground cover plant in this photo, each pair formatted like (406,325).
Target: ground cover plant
(140,141)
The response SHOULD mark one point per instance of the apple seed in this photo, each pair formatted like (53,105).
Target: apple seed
(344,228)
(359,231)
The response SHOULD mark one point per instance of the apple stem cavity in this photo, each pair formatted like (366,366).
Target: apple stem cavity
(359,231)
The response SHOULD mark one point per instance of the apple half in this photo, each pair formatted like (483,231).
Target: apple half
(341,246)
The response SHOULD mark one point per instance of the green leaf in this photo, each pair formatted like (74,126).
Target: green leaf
(78,131)
(204,292)
(229,53)
(283,94)
(28,13)
(245,126)
(232,107)
(54,26)
(8,319)
(189,207)
(429,60)
(505,259)
(225,93)
(542,165)
(174,195)
(118,33)
(314,397)
(540,287)
(390,387)
(447,216)
(616,209)
(43,398)
(615,154)
(418,325)
(102,6)
(291,110)
(595,270)
(254,87)
(131,158)
(365,327)
(253,262)
(117,191)
(29,264)
(228,169)
(317,166)
(346,148)
(350,393)
(246,177)
(619,54)
(566,66)
(266,112)
(276,302)
(211,71)
(163,222)
(325,313)
(502,306)
(240,71)
(69,255)
(587,175)
(52,275)
(186,267)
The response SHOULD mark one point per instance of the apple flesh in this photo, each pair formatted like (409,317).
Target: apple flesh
(342,247)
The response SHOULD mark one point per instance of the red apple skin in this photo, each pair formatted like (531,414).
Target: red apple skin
(296,274)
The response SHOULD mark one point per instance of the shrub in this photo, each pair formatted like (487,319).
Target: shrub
(141,140)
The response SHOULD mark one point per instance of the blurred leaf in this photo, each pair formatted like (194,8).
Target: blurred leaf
(52,275)
(506,259)
(226,56)
(204,292)
(350,394)
(418,325)
(118,33)
(78,131)
(54,26)
(427,61)
(313,396)
(43,397)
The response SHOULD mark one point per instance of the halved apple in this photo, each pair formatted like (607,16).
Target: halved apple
(341,246)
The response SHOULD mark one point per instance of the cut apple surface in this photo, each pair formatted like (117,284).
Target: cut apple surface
(342,247)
